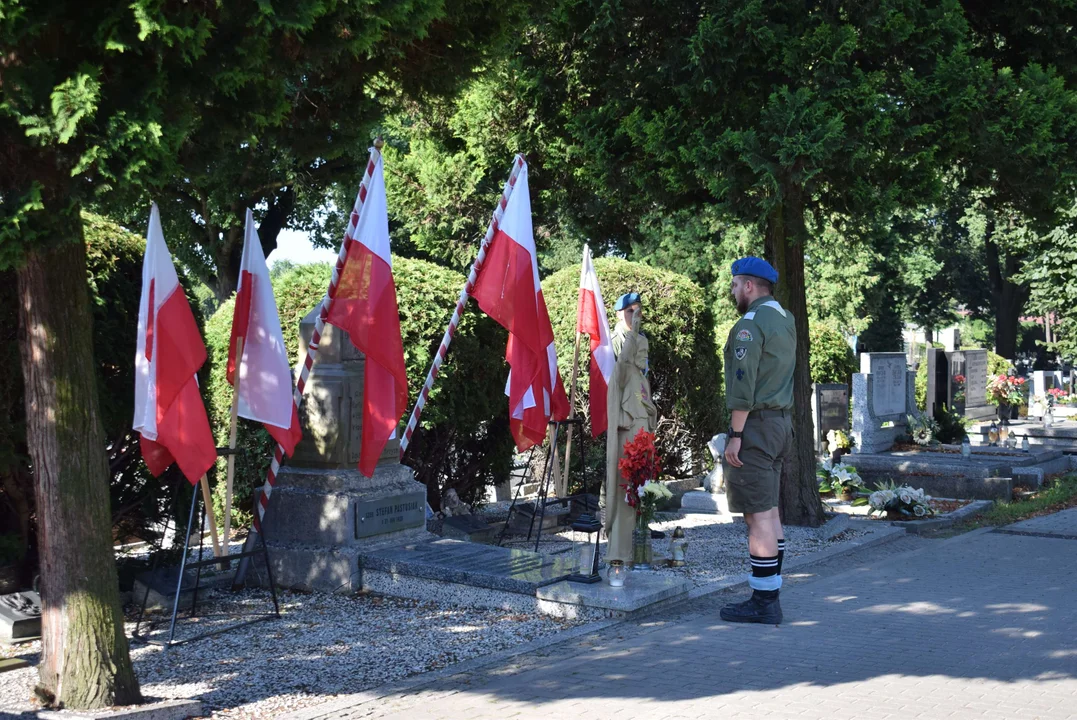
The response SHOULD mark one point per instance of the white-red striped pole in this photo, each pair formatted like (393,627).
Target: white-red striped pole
(517,165)
(319,325)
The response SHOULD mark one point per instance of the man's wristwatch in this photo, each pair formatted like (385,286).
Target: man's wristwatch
(734,434)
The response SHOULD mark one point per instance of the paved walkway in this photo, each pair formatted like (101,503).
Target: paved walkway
(982,625)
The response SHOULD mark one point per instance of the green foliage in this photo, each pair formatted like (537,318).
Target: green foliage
(462,441)
(831,359)
(1052,273)
(952,426)
(1058,496)
(996,364)
(214,110)
(114,276)
(12,549)
(684,361)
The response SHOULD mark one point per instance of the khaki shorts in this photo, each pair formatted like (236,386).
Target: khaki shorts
(755,487)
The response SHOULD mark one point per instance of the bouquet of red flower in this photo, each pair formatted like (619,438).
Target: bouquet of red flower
(640,466)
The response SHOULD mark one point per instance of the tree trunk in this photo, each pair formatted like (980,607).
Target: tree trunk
(85,662)
(784,246)
(1010,298)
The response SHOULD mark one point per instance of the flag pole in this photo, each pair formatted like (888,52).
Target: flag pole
(465,294)
(572,389)
(204,482)
(316,336)
(232,427)
(572,410)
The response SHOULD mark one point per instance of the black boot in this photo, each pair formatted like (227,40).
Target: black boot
(761,607)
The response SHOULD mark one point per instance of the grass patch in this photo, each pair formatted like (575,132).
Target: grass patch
(1060,495)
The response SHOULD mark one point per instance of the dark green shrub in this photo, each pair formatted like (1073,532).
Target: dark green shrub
(463,440)
(952,426)
(830,357)
(114,276)
(685,363)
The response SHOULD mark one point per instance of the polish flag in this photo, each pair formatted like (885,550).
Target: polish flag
(266,390)
(591,319)
(169,414)
(364,305)
(508,290)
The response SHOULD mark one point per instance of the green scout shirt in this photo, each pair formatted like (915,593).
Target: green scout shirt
(760,354)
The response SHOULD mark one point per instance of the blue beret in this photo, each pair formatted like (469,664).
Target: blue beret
(755,266)
(626,300)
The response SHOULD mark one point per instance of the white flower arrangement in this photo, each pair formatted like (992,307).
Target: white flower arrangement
(654,490)
(904,500)
(839,478)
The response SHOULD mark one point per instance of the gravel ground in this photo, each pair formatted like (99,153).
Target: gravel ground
(325,645)
(717,546)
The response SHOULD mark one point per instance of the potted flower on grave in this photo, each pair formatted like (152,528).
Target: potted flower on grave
(838,443)
(1006,392)
(842,480)
(959,389)
(639,467)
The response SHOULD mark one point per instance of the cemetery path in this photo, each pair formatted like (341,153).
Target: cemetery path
(982,625)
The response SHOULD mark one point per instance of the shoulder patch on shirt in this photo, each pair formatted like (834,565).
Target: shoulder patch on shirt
(744,336)
(740,352)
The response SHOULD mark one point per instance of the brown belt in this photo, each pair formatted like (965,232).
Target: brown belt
(767,414)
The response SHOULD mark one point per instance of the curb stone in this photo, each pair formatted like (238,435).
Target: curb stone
(164,710)
(335,707)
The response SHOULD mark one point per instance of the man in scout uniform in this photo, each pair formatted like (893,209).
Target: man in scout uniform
(760,354)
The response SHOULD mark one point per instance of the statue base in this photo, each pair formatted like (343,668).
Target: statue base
(320,521)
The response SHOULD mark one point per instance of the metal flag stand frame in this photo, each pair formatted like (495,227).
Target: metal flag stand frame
(544,489)
(198,565)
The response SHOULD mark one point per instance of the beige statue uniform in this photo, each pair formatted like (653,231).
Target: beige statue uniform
(630,409)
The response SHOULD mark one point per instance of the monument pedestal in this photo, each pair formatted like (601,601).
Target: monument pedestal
(319,521)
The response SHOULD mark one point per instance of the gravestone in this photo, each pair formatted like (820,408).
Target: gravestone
(472,528)
(883,394)
(975,406)
(938,381)
(1041,382)
(958,380)
(324,512)
(829,410)
(20,617)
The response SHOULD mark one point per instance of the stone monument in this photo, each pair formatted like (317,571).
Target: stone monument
(324,513)
(883,394)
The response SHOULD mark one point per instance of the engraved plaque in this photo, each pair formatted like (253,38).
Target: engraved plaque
(389,514)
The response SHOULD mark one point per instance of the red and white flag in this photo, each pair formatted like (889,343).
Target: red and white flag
(591,319)
(364,305)
(169,414)
(266,390)
(508,290)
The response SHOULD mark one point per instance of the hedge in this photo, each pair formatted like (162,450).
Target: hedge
(684,361)
(463,440)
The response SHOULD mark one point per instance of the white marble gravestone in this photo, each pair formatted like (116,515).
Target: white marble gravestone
(883,394)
